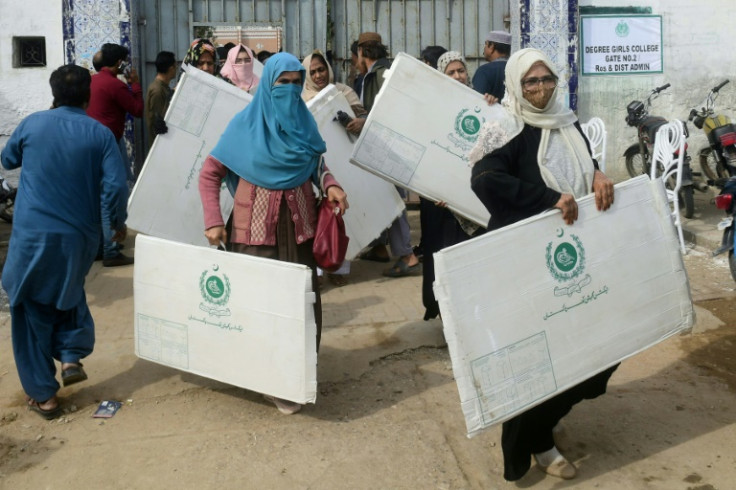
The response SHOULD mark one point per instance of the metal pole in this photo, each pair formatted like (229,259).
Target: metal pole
(447,24)
(462,28)
(403,7)
(390,27)
(419,25)
(434,21)
(283,13)
(191,21)
(375,17)
(157,11)
(478,35)
(298,38)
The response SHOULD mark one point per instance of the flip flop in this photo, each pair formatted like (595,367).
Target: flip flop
(48,414)
(73,374)
(373,256)
(401,269)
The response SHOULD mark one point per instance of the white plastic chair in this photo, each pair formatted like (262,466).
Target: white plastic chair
(667,159)
(595,131)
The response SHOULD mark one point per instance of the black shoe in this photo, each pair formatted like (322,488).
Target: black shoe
(118,260)
(73,374)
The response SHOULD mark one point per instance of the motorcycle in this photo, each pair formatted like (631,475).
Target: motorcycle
(719,163)
(7,200)
(720,156)
(639,155)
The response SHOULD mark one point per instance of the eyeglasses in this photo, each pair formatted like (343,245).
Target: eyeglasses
(530,83)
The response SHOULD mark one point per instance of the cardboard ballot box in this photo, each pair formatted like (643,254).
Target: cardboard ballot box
(242,320)
(534,308)
(419,132)
(165,201)
(374,202)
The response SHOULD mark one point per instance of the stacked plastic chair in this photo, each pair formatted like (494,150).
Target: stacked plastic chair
(667,159)
(595,131)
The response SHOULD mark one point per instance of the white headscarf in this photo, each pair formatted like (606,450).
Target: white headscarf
(447,58)
(563,157)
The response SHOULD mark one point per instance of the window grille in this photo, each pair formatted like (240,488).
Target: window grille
(29,52)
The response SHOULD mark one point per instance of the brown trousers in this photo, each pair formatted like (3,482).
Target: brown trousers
(287,250)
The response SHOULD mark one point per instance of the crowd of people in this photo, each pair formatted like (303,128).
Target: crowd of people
(535,159)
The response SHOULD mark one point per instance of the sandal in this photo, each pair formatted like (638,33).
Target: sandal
(73,374)
(338,280)
(401,269)
(47,413)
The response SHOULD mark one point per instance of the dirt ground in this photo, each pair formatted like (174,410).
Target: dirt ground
(387,414)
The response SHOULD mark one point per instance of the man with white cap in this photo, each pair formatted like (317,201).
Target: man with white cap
(489,78)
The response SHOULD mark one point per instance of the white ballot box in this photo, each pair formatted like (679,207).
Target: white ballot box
(419,132)
(165,201)
(374,202)
(535,308)
(239,319)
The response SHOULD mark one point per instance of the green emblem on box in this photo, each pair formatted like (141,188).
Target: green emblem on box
(565,259)
(214,287)
(467,125)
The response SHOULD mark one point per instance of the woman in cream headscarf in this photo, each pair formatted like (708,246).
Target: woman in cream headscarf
(536,158)
(319,75)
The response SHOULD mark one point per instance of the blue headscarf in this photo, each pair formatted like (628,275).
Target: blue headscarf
(274,142)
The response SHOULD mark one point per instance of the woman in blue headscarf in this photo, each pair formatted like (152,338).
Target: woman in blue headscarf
(270,155)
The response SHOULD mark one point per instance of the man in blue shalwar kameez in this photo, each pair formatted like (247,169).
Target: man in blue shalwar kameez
(72,171)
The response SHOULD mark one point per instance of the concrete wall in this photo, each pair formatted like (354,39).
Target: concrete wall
(26,90)
(698,51)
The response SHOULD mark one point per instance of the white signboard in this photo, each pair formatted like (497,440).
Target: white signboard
(419,132)
(165,201)
(239,319)
(537,307)
(374,202)
(617,45)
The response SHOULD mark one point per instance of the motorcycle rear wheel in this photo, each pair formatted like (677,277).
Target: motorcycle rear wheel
(732,264)
(637,163)
(712,169)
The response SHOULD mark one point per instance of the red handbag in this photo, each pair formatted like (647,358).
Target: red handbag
(330,241)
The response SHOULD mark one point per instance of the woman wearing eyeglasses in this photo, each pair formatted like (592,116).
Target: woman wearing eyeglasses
(238,69)
(534,159)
